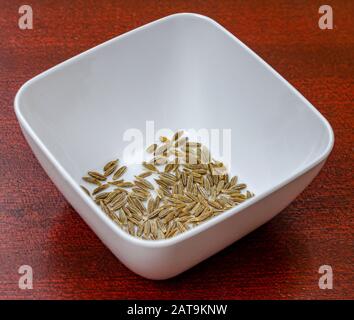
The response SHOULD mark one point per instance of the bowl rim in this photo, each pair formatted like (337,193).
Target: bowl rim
(209,223)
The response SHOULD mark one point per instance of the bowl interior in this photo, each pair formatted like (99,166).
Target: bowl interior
(184,71)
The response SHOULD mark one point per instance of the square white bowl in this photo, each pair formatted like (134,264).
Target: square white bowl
(184,64)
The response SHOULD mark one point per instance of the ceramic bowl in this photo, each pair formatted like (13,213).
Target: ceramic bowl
(182,71)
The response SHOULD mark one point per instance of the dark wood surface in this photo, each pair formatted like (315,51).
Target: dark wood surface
(280,260)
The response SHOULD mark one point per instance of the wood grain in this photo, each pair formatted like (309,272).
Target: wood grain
(280,260)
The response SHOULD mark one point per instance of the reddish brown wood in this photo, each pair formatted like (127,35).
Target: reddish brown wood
(278,261)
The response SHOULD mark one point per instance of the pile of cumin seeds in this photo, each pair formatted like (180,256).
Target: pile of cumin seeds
(180,187)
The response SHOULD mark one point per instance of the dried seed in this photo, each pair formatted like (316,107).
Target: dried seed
(140,230)
(149,166)
(203,192)
(177,135)
(159,160)
(170,166)
(184,178)
(110,170)
(121,190)
(122,217)
(139,205)
(180,188)
(102,195)
(86,191)
(119,204)
(218,164)
(160,234)
(137,189)
(150,205)
(197,210)
(184,217)
(240,186)
(153,214)
(97,175)
(151,148)
(160,193)
(169,217)
(116,182)
(117,198)
(237,199)
(139,195)
(164,183)
(147,228)
(233,181)
(215,204)
(168,176)
(100,188)
(110,164)
(144,174)
(189,186)
(123,184)
(91,180)
(105,208)
(153,228)
(133,220)
(205,215)
(206,184)
(164,212)
(157,202)
(162,149)
(112,196)
(173,232)
(249,194)
(131,228)
(119,172)
(180,226)
(161,226)
(220,186)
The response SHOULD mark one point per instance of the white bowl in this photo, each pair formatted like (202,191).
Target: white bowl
(183,71)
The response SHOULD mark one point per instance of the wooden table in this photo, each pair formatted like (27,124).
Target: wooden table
(280,260)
